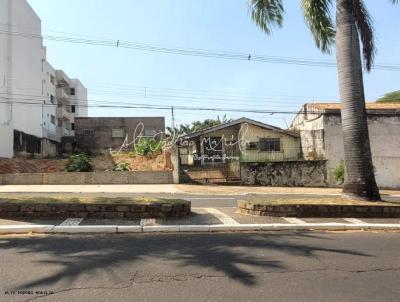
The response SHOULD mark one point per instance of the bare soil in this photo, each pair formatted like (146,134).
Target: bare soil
(101,163)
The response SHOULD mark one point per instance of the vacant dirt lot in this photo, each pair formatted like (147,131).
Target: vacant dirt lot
(100,163)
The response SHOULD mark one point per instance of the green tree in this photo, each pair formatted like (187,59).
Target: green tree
(391,97)
(195,126)
(353,23)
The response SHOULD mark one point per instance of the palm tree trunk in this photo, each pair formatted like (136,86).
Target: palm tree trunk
(360,181)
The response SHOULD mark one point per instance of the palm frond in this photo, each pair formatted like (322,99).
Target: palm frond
(366,31)
(395,1)
(319,20)
(266,13)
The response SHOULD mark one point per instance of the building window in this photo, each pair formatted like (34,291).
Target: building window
(52,79)
(53,119)
(118,133)
(150,132)
(270,144)
(85,132)
(72,91)
(73,108)
(72,126)
(52,98)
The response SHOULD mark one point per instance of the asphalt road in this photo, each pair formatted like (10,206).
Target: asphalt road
(203,267)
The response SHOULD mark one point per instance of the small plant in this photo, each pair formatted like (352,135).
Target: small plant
(147,146)
(122,167)
(79,163)
(339,172)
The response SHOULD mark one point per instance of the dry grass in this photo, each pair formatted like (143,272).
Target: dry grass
(89,200)
(322,201)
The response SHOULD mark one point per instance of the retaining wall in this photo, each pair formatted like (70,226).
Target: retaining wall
(95,211)
(88,178)
(285,174)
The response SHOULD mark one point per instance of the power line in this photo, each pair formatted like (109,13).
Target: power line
(150,107)
(191,51)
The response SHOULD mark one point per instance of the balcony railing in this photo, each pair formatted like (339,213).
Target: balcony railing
(62,94)
(63,113)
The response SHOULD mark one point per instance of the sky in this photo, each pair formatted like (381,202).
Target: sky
(114,74)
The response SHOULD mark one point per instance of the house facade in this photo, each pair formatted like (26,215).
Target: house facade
(36,105)
(320,129)
(218,152)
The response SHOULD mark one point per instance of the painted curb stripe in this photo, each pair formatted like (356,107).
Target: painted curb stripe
(225,219)
(294,220)
(23,229)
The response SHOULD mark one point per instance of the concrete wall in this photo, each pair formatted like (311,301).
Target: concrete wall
(6,136)
(384,134)
(80,178)
(321,137)
(282,174)
(94,134)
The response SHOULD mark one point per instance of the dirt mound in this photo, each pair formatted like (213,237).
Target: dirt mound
(101,163)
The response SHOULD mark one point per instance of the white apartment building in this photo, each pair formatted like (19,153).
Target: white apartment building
(38,103)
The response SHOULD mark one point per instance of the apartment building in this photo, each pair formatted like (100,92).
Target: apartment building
(38,103)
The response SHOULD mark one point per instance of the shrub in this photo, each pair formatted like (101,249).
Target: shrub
(339,173)
(147,146)
(122,167)
(79,163)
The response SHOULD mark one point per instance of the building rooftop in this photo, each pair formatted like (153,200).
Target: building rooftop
(369,106)
(242,120)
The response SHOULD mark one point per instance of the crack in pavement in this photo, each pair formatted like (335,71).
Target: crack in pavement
(185,278)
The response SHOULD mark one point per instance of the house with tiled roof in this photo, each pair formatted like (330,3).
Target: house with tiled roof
(320,130)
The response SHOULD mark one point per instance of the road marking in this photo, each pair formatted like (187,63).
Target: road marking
(225,219)
(71,222)
(293,220)
(355,220)
(148,222)
(209,198)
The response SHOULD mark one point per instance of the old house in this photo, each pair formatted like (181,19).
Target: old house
(320,129)
(100,134)
(217,153)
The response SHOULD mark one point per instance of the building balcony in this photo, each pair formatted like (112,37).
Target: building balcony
(63,113)
(62,94)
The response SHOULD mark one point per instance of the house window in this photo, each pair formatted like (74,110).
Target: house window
(73,108)
(72,126)
(52,80)
(72,91)
(270,144)
(52,98)
(53,119)
(118,133)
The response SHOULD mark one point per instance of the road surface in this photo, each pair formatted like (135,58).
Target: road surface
(281,266)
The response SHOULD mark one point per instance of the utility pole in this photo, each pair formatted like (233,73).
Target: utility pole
(173,117)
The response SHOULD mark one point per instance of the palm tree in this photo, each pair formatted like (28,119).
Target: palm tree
(353,23)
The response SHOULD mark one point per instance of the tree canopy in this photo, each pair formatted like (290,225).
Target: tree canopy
(195,126)
(391,97)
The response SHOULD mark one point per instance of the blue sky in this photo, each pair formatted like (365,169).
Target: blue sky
(115,74)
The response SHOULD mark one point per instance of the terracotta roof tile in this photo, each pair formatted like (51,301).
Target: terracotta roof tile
(370,106)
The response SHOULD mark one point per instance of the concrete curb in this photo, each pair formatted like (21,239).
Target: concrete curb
(110,229)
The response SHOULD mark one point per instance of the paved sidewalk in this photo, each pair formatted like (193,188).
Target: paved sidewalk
(175,189)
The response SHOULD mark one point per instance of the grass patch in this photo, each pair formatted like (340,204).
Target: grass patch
(322,201)
(90,200)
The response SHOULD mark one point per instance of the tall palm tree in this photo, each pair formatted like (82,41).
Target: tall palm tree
(353,23)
